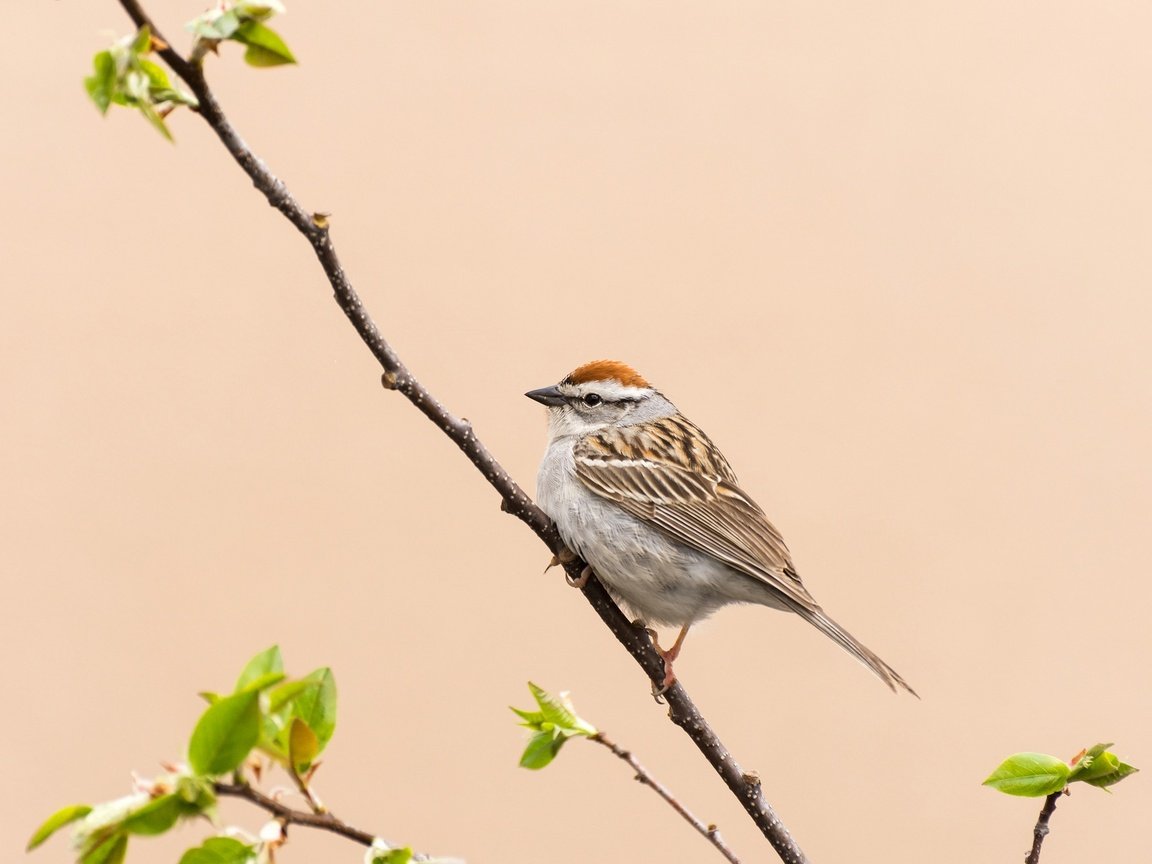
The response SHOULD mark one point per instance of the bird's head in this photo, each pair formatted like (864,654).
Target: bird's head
(597,395)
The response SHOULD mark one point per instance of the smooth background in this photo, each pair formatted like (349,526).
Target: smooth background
(894,257)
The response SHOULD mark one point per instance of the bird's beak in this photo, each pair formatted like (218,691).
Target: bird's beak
(546,396)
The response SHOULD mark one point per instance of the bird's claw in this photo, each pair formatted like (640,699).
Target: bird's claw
(564,556)
(666,685)
(581,580)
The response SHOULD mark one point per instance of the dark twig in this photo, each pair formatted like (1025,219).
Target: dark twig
(289,816)
(710,832)
(682,711)
(1041,829)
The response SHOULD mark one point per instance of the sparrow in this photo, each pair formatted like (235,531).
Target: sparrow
(639,492)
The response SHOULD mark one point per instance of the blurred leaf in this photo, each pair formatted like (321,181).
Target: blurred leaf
(559,711)
(266,662)
(302,746)
(532,719)
(62,817)
(153,117)
(142,43)
(1029,774)
(265,47)
(388,856)
(260,10)
(157,816)
(219,850)
(225,734)
(157,77)
(541,750)
(110,850)
(197,792)
(316,705)
(262,682)
(215,24)
(285,693)
(102,84)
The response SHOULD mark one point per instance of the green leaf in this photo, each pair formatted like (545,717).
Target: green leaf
(157,77)
(1029,774)
(260,10)
(102,84)
(142,44)
(110,850)
(62,817)
(266,662)
(219,850)
(197,791)
(1084,761)
(215,24)
(316,705)
(155,817)
(225,734)
(265,47)
(263,682)
(1099,767)
(392,856)
(532,719)
(153,117)
(1091,767)
(1119,770)
(542,749)
(559,711)
(280,696)
(160,814)
(302,746)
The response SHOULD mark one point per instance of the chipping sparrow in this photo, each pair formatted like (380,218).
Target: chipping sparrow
(640,492)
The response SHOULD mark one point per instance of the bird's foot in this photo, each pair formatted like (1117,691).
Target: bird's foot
(564,556)
(669,679)
(581,580)
(668,657)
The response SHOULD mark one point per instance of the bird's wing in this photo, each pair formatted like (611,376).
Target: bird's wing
(657,472)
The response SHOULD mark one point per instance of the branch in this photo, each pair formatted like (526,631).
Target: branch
(323,821)
(682,711)
(1041,829)
(710,832)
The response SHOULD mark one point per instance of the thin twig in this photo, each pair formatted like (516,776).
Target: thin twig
(682,711)
(313,801)
(710,832)
(289,816)
(1041,829)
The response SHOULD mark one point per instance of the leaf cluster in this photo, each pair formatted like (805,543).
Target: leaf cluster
(554,723)
(1035,775)
(290,721)
(242,21)
(123,75)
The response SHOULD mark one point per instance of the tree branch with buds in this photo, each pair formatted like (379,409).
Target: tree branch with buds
(396,376)
(322,821)
(710,832)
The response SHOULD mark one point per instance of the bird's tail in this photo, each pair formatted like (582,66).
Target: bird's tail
(853,646)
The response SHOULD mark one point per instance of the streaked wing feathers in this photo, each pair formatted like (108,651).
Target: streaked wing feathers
(690,494)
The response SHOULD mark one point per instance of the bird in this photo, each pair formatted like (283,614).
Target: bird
(640,493)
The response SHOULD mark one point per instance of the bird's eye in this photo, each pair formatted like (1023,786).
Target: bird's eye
(592,400)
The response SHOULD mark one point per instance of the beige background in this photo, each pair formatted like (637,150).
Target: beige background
(894,257)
